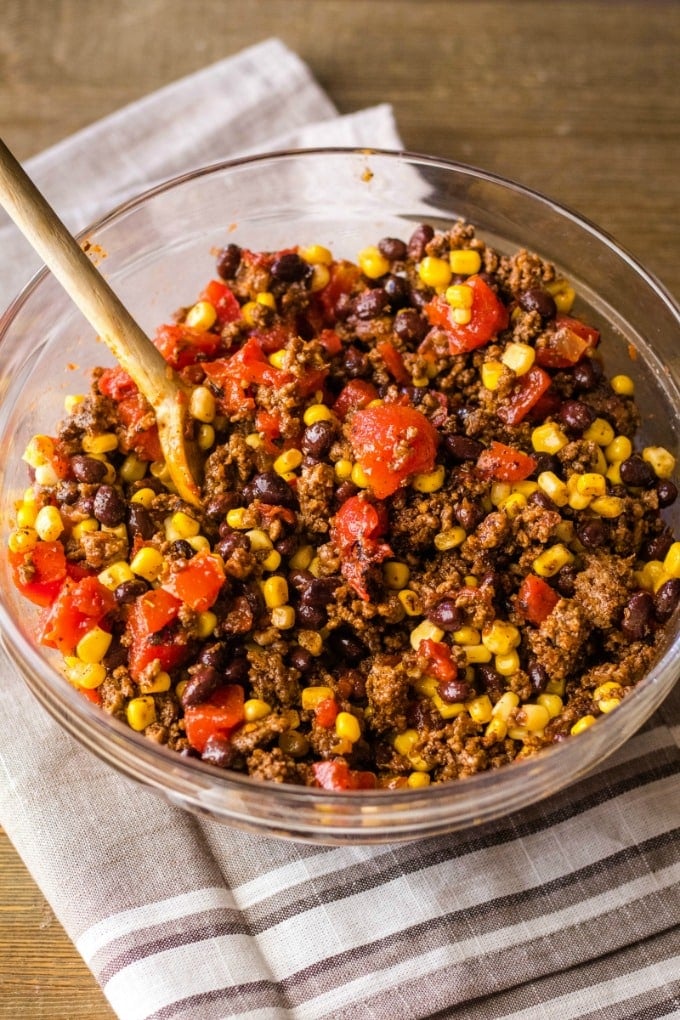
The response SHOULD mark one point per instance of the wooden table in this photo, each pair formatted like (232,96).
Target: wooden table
(577,99)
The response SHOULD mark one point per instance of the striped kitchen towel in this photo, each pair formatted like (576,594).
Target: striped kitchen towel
(567,909)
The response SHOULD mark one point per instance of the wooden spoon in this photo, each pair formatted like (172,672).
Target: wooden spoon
(166,393)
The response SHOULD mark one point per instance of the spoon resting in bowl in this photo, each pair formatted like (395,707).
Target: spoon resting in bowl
(133,350)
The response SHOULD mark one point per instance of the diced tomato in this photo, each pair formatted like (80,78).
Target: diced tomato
(40,572)
(587,333)
(356,394)
(183,345)
(268,424)
(149,616)
(524,396)
(442,665)
(391,442)
(312,380)
(536,599)
(197,582)
(223,300)
(326,712)
(330,341)
(560,347)
(394,362)
(140,436)
(218,716)
(505,463)
(79,607)
(337,775)
(488,317)
(116,383)
(356,530)
(235,374)
(343,278)
(92,694)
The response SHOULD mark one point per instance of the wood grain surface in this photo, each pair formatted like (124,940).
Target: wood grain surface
(577,99)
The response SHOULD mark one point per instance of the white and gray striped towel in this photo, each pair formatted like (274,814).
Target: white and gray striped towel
(569,909)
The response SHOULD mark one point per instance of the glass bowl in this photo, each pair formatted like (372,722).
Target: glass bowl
(158,251)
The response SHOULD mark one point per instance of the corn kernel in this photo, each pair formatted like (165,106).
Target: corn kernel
(499,491)
(619,449)
(426,630)
(477,654)
(132,469)
(278,358)
(39,451)
(22,540)
(147,563)
(272,561)
(205,437)
(311,641)
(259,540)
(418,780)
(491,374)
(320,277)
(46,475)
(275,591)
(426,686)
(660,460)
(462,316)
(480,709)
(518,357)
(552,703)
(623,385)
(404,742)
(48,524)
(205,623)
(347,727)
(608,506)
(287,461)
(94,645)
(238,518)
(302,557)
(450,538)
(396,575)
(85,527)
(410,602)
(671,561)
(343,469)
(310,697)
(465,261)
(563,294)
(202,316)
(652,575)
(72,402)
(548,438)
(535,717)
(372,262)
(158,684)
(248,312)
(582,724)
(359,477)
(266,298)
(434,272)
(256,708)
(507,664)
(202,405)
(590,484)
(106,442)
(549,562)
(459,295)
(513,504)
(496,730)
(556,687)
(141,712)
(429,481)
(89,675)
(283,617)
(467,636)
(317,412)
(500,637)
(505,705)
(316,254)
(447,710)
(607,690)
(144,497)
(182,526)
(600,432)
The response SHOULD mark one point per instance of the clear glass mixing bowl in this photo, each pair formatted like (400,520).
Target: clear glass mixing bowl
(157,252)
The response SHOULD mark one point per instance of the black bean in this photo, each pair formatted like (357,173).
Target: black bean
(230,542)
(410,326)
(667,492)
(203,682)
(228,261)
(290,267)
(218,506)
(452,691)
(540,499)
(181,550)
(546,462)
(593,532)
(67,493)
(636,472)
(271,489)
(469,514)
(564,580)
(538,300)
(666,599)
(398,291)
(587,373)
(462,447)
(348,646)
(236,670)
(420,237)
(300,579)
(214,655)
(370,303)
(109,506)
(126,592)
(356,363)
(489,679)
(638,615)
(345,490)
(538,676)
(576,416)
(294,743)
(301,659)
(317,439)
(88,469)
(310,616)
(657,547)
(446,614)
(320,591)
(393,248)
(140,522)
(220,751)
(287,546)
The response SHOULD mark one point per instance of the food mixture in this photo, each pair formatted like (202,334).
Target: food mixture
(429,543)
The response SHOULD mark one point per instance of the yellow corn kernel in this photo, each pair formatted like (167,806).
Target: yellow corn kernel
(465,261)
(272,561)
(467,636)
(347,727)
(22,540)
(72,402)
(278,358)
(418,780)
(526,488)
(316,254)
(144,497)
(590,484)
(26,515)
(513,504)
(613,474)
(89,675)
(652,575)
(147,563)
(302,557)
(606,692)
(310,697)
(497,729)
(202,316)
(661,461)
(239,518)
(48,524)
(158,684)
(132,469)
(317,412)
(283,617)
(46,475)
(205,437)
(518,357)
(563,295)
(535,717)
(39,451)
(426,630)
(266,298)
(447,710)
(507,664)
(480,709)
(426,686)
(434,272)
(259,540)
(85,527)
(343,469)
(141,712)
(181,525)
(115,574)
(548,438)
(106,442)
(359,477)
(623,385)
(403,743)
(505,705)
(600,432)
(254,440)
(500,637)
(671,561)
(491,373)
(557,687)
(287,461)
(477,654)
(202,405)
(396,575)
(256,708)
(619,449)
(549,562)
(248,312)
(205,623)
(552,703)
(275,591)
(577,500)
(582,724)
(459,295)
(310,640)
(372,262)
(410,602)
(499,491)
(315,567)
(320,277)
(450,538)
(608,506)
(429,481)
